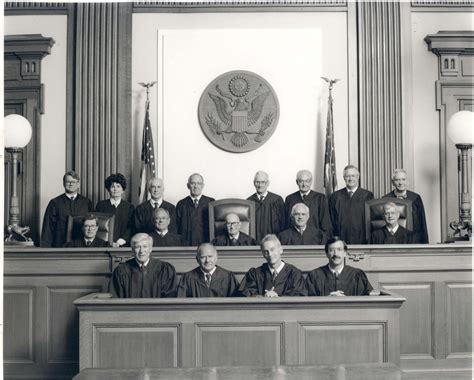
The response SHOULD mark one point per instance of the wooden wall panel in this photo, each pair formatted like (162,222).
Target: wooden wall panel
(230,345)
(139,346)
(459,320)
(63,322)
(326,343)
(18,316)
(416,317)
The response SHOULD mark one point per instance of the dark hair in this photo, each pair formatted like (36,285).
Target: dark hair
(72,174)
(117,178)
(90,217)
(333,240)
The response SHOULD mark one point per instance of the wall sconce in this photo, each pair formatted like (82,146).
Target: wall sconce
(17,134)
(461,131)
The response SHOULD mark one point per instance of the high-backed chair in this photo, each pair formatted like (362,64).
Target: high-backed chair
(106,227)
(218,210)
(374,214)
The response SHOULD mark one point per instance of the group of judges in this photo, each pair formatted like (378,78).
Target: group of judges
(145,277)
(306,217)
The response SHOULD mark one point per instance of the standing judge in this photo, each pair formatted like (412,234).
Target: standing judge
(270,216)
(143,276)
(60,208)
(301,233)
(336,278)
(233,236)
(144,211)
(123,210)
(208,279)
(318,205)
(161,235)
(392,233)
(400,182)
(192,213)
(274,278)
(90,226)
(347,208)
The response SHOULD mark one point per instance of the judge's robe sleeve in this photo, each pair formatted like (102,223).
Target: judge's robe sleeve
(295,284)
(50,221)
(361,285)
(280,211)
(333,214)
(167,278)
(249,285)
(118,283)
(183,286)
(128,232)
(419,220)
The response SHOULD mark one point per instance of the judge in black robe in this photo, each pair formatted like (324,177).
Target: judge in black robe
(351,281)
(82,243)
(143,276)
(123,210)
(192,213)
(347,209)
(420,229)
(310,236)
(384,236)
(233,236)
(270,214)
(54,232)
(336,278)
(317,203)
(162,236)
(193,284)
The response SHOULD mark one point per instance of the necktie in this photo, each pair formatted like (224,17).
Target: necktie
(391,232)
(336,277)
(303,197)
(261,198)
(155,204)
(196,203)
(351,193)
(274,275)
(401,196)
(208,279)
(88,243)
(233,241)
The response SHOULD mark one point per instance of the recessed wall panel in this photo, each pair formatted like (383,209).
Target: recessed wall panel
(459,320)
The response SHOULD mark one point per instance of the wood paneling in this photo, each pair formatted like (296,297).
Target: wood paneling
(417,317)
(459,320)
(132,346)
(223,345)
(327,343)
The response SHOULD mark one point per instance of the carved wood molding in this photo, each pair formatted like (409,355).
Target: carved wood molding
(380,94)
(442,3)
(24,8)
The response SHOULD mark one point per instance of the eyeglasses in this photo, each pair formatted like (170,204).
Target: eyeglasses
(260,182)
(70,182)
(90,227)
(233,224)
(304,180)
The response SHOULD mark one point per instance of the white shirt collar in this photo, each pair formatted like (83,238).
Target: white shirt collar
(140,264)
(301,230)
(211,272)
(71,196)
(394,229)
(162,233)
(158,202)
(353,190)
(193,198)
(236,237)
(305,194)
(114,202)
(278,270)
(338,271)
(264,195)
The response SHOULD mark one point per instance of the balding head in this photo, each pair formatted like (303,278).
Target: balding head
(195,184)
(261,182)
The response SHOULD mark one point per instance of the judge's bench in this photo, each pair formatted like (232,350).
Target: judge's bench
(43,338)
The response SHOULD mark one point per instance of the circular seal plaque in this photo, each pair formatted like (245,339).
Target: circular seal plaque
(238,111)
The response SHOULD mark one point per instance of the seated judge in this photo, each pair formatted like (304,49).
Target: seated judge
(143,276)
(317,203)
(192,213)
(270,215)
(301,233)
(400,183)
(233,236)
(392,233)
(336,278)
(208,279)
(161,235)
(116,184)
(144,212)
(347,208)
(274,278)
(90,226)
(59,209)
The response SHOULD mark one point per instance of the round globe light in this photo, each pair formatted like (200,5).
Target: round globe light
(17,131)
(461,127)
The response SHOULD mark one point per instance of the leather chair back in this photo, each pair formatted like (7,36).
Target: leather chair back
(218,210)
(374,214)
(106,227)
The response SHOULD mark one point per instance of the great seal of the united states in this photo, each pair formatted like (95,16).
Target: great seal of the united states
(238,111)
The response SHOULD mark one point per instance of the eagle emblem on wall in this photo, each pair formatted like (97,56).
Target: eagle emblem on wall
(238,111)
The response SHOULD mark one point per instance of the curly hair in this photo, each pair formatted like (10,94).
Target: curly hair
(117,178)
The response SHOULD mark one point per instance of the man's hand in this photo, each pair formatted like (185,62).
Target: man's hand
(271,293)
(337,293)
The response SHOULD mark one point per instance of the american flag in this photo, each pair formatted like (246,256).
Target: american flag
(148,168)
(330,180)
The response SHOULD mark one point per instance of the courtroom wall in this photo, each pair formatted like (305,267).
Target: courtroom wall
(425,122)
(53,76)
(185,52)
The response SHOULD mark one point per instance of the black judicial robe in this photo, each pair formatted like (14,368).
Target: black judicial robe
(420,230)
(144,216)
(383,236)
(193,223)
(348,214)
(352,281)
(157,280)
(224,240)
(193,284)
(270,215)
(289,282)
(123,223)
(311,236)
(81,243)
(54,231)
(318,210)
(169,240)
